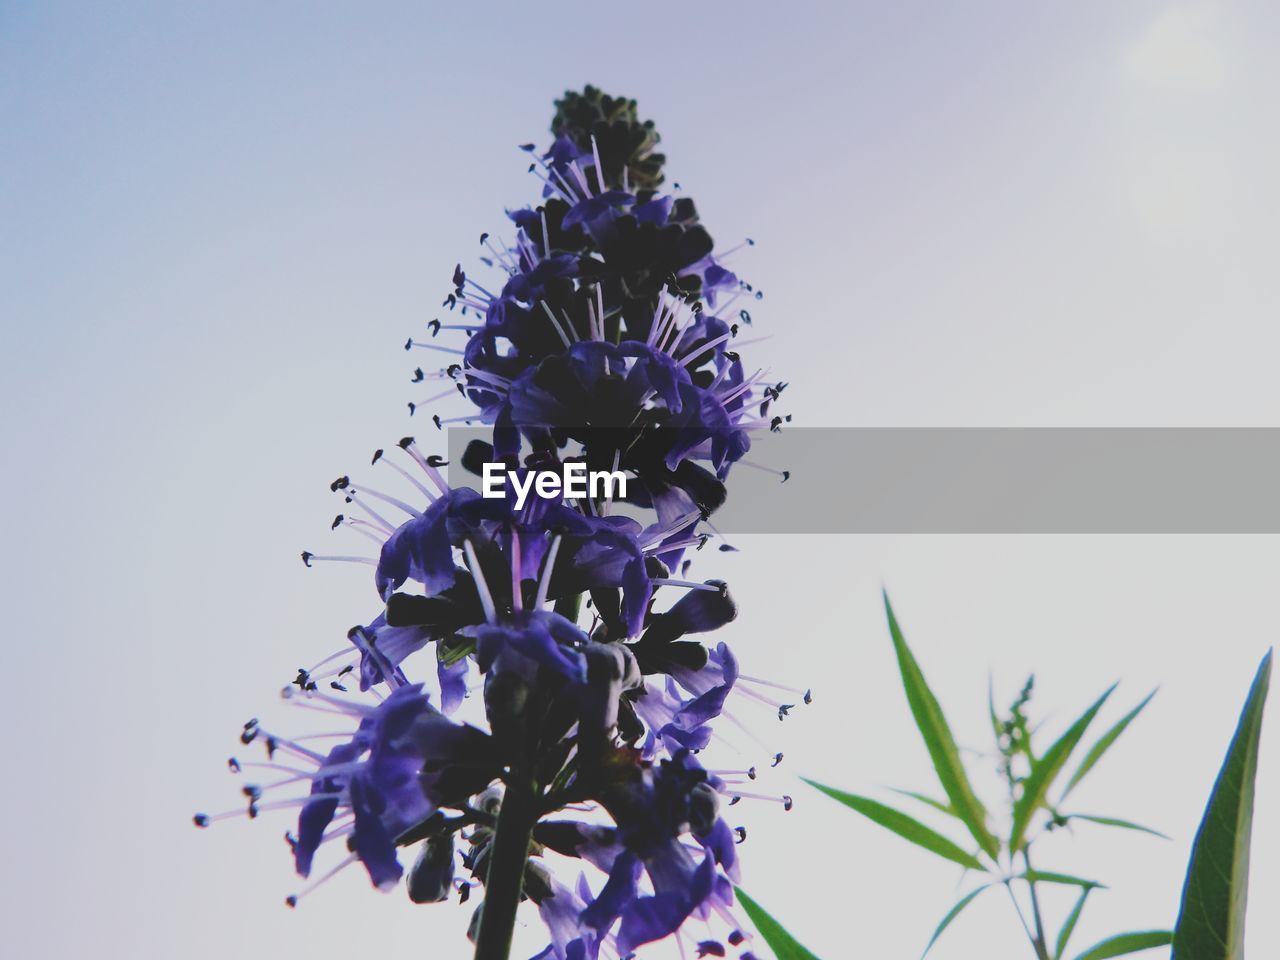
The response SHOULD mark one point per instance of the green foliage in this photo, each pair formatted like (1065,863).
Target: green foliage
(954,912)
(783,944)
(1211,920)
(1043,772)
(904,826)
(1126,943)
(1104,744)
(1029,778)
(939,742)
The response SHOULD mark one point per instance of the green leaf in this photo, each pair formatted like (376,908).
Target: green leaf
(938,805)
(996,728)
(1043,876)
(1124,943)
(1211,919)
(1103,745)
(1113,822)
(904,826)
(1046,769)
(939,742)
(1069,925)
(783,944)
(952,914)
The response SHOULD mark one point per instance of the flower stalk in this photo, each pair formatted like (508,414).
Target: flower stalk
(605,344)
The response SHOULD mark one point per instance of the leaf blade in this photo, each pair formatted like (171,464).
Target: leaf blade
(1046,769)
(1115,822)
(928,801)
(1069,924)
(1125,943)
(939,741)
(1045,876)
(903,825)
(1212,915)
(952,914)
(782,943)
(1104,744)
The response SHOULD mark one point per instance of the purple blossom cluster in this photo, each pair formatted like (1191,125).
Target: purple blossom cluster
(611,340)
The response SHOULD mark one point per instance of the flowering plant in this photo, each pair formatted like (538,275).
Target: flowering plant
(610,341)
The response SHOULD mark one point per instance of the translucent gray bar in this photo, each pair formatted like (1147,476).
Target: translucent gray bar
(998,480)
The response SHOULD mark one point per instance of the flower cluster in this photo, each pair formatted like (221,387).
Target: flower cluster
(612,340)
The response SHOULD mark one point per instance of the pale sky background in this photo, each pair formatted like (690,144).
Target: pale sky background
(219,222)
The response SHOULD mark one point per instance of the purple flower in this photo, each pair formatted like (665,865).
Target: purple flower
(612,340)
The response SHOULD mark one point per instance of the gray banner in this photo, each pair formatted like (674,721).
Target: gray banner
(995,480)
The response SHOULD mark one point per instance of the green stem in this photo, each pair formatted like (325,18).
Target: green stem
(1042,947)
(504,882)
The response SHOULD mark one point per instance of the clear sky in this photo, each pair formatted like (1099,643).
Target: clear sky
(219,222)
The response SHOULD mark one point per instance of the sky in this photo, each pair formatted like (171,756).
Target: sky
(220,222)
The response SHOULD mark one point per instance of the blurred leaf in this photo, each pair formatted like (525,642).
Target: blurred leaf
(940,743)
(1113,822)
(1125,943)
(1069,925)
(952,914)
(1044,876)
(904,826)
(938,805)
(1211,920)
(996,727)
(1046,769)
(783,944)
(1103,745)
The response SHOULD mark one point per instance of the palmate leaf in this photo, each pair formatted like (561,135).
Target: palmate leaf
(1126,943)
(903,825)
(1104,744)
(939,742)
(1046,769)
(954,912)
(783,944)
(1214,897)
(1069,925)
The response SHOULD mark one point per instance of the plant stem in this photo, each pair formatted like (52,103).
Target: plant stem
(504,881)
(1042,948)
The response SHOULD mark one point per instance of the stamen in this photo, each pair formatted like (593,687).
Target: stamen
(544,582)
(785,799)
(556,323)
(292,899)
(517,601)
(421,487)
(309,558)
(482,588)
(595,152)
(784,474)
(359,526)
(689,584)
(411,344)
(433,399)
(698,351)
(428,464)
